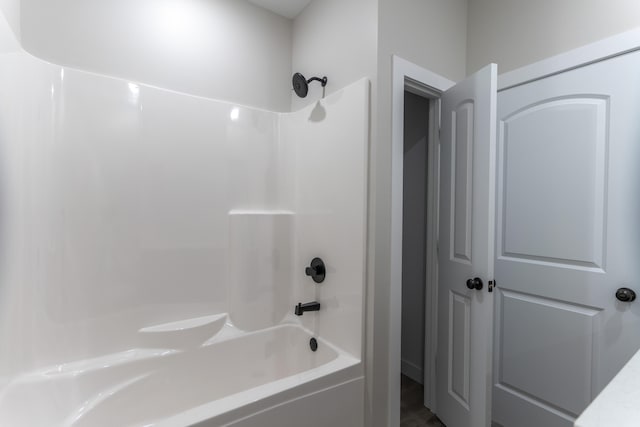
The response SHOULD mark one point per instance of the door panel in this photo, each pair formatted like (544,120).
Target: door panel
(466,236)
(460,343)
(568,237)
(562,356)
(462,175)
(553,137)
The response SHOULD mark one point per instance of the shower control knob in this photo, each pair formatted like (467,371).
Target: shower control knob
(625,295)
(316,271)
(475,283)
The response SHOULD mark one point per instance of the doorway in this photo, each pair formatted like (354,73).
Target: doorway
(415,80)
(415,268)
(414,235)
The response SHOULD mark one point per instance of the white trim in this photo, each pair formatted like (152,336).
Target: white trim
(594,52)
(431,277)
(412,371)
(433,85)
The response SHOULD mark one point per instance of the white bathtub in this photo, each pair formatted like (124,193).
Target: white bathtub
(230,376)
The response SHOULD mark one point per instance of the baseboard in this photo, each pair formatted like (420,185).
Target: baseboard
(412,370)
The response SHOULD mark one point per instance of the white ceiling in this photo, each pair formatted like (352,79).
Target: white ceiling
(287,8)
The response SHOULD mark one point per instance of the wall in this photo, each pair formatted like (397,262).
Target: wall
(516,33)
(337,39)
(222,49)
(11,11)
(414,229)
(431,34)
(8,37)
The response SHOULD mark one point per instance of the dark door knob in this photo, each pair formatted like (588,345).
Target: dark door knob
(625,295)
(475,283)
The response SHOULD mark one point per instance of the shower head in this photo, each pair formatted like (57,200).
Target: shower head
(301,85)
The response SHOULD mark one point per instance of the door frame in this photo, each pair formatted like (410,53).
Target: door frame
(422,82)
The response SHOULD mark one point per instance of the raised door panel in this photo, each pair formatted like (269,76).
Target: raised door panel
(554,182)
(547,351)
(459,347)
(462,182)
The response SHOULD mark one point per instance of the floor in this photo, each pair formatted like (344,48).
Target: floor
(412,411)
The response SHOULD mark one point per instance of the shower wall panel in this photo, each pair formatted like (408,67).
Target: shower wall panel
(260,267)
(329,140)
(115,201)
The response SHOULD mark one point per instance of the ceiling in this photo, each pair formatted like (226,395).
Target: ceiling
(287,8)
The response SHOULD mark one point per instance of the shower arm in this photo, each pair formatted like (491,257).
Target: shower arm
(323,80)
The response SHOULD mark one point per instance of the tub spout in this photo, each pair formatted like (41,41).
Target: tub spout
(309,306)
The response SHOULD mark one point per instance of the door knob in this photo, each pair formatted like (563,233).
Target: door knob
(475,283)
(625,295)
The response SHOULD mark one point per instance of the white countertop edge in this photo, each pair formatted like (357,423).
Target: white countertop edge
(619,402)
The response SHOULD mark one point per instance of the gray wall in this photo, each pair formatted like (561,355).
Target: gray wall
(414,221)
(516,33)
(337,39)
(223,49)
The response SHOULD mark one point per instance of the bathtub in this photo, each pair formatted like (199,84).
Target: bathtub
(227,378)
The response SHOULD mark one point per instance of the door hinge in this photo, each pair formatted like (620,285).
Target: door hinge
(492,284)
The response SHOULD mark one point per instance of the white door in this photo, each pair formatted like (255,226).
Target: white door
(568,237)
(467,182)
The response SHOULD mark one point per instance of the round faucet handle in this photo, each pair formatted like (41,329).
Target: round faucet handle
(317,270)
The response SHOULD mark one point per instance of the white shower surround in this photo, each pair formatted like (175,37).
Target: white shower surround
(144,229)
